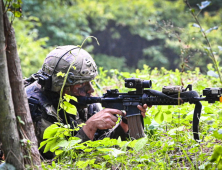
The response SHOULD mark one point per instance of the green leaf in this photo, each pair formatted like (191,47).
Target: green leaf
(147,120)
(107,157)
(132,143)
(140,165)
(97,166)
(59,143)
(192,10)
(173,131)
(216,153)
(63,143)
(15,5)
(140,143)
(217,135)
(60,74)
(49,144)
(53,164)
(50,131)
(82,147)
(74,142)
(88,150)
(43,143)
(159,117)
(68,97)
(58,152)
(68,107)
(203,4)
(84,164)
(168,116)
(17,14)
(208,110)
(114,152)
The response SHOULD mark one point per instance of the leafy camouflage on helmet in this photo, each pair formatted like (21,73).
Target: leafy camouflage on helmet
(84,68)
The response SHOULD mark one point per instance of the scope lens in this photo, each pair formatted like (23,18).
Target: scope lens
(147,84)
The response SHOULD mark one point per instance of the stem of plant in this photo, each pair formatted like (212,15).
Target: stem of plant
(211,54)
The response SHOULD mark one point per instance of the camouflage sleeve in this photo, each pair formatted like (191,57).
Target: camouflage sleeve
(81,134)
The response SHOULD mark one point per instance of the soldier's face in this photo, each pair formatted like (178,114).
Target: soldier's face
(83,89)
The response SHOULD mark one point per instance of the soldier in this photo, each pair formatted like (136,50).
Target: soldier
(43,91)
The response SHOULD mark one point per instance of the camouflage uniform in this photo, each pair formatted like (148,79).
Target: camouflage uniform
(43,102)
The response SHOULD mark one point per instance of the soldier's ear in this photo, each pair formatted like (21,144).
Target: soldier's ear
(67,89)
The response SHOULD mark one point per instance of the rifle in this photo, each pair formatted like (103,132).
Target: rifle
(170,95)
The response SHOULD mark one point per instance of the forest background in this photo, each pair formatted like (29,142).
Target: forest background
(131,33)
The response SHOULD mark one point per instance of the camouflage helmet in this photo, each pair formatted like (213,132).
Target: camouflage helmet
(59,60)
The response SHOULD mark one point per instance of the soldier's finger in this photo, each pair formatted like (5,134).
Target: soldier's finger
(111,123)
(143,114)
(145,106)
(142,109)
(115,111)
(113,118)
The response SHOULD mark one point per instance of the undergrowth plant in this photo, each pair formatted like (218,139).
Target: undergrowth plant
(169,143)
(208,48)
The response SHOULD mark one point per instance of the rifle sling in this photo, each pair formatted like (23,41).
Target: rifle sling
(196,117)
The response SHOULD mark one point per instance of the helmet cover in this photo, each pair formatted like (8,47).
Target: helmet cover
(83,68)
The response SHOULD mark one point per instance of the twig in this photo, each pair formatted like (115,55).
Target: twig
(211,54)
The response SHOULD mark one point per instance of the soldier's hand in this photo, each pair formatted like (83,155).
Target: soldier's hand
(143,109)
(105,119)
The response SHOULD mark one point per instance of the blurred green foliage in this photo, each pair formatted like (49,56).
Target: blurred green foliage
(164,33)
(110,62)
(30,48)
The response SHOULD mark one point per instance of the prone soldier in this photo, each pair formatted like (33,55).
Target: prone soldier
(43,92)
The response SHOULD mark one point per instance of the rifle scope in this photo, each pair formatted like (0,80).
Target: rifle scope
(137,83)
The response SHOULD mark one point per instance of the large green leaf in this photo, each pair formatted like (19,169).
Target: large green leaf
(68,97)
(69,108)
(216,153)
(159,117)
(140,143)
(50,131)
(168,116)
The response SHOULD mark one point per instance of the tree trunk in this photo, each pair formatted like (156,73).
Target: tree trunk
(19,96)
(8,127)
